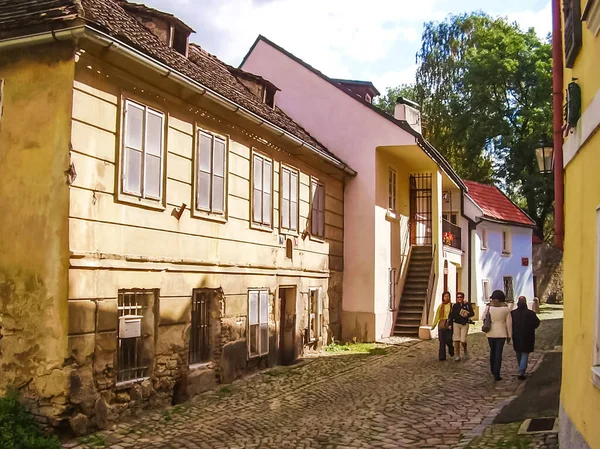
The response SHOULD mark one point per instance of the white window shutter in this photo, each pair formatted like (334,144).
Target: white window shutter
(264,322)
(253,306)
(285,199)
(267,189)
(257,189)
(218,180)
(294,201)
(203,189)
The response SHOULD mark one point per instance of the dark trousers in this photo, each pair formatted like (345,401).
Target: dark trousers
(445,337)
(496,347)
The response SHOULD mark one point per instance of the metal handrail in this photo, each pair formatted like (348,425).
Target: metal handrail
(429,293)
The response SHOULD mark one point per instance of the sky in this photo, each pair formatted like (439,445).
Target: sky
(373,40)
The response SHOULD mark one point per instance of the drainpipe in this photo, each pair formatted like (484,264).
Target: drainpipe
(557,99)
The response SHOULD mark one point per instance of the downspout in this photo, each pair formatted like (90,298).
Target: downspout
(557,99)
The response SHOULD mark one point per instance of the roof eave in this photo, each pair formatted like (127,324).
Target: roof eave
(507,222)
(113,44)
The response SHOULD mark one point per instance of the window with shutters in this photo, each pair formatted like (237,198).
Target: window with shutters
(211,170)
(258,322)
(262,191)
(288,211)
(317,214)
(572,30)
(142,163)
(315,313)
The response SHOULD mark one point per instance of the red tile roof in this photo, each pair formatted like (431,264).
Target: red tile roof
(110,17)
(496,205)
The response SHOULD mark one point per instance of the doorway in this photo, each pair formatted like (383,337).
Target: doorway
(420,209)
(287,325)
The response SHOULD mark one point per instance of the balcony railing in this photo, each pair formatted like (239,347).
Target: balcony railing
(451,234)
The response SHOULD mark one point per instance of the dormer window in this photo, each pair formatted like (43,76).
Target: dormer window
(269,96)
(180,40)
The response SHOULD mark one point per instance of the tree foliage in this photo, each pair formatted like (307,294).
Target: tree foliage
(485,87)
(387,102)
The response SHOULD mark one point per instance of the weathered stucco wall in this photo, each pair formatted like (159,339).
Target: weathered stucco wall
(117,245)
(548,272)
(34,250)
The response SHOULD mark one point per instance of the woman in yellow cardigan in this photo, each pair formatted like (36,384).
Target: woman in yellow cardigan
(442,321)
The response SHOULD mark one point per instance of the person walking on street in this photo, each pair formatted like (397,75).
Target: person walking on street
(500,331)
(459,322)
(524,324)
(442,321)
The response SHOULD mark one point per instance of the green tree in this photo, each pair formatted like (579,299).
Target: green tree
(485,88)
(387,102)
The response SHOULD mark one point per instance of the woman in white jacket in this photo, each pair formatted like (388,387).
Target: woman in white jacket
(500,331)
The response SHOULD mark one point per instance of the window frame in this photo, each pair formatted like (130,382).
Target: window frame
(316,181)
(131,197)
(296,172)
(506,244)
(255,224)
(392,274)
(486,296)
(205,346)
(595,370)
(484,238)
(392,189)
(261,325)
(155,292)
(210,214)
(509,297)
(315,328)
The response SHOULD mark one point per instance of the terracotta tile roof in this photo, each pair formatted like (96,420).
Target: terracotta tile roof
(109,17)
(20,14)
(496,205)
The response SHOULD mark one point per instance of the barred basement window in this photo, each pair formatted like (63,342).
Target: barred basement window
(258,322)
(199,334)
(508,289)
(135,318)
(315,313)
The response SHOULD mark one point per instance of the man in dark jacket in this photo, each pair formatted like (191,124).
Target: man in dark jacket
(524,322)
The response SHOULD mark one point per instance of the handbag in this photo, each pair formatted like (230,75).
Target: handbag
(487,321)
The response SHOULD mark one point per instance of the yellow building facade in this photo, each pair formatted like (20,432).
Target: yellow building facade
(160,235)
(580,393)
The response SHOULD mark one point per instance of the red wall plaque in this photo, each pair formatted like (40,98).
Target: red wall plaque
(525,261)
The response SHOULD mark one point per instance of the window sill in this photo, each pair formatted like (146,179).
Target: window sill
(146,203)
(596,376)
(288,232)
(200,365)
(316,238)
(257,356)
(506,254)
(217,218)
(129,383)
(259,227)
(484,248)
(390,215)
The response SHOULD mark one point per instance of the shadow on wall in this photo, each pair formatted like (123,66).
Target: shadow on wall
(548,273)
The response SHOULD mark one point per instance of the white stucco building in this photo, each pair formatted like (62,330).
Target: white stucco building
(405,233)
(501,246)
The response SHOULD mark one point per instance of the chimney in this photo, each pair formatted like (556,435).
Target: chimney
(408,111)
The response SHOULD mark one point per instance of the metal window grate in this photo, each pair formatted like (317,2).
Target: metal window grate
(130,360)
(199,335)
(508,289)
(420,209)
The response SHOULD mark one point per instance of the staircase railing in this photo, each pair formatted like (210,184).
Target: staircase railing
(429,293)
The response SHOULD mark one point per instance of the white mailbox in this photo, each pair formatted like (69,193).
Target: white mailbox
(130,326)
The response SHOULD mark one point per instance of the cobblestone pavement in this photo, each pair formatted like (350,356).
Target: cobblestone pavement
(399,397)
(506,436)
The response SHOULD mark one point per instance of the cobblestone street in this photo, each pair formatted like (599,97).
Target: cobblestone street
(398,397)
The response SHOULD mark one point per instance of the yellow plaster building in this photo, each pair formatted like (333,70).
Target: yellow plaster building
(165,226)
(580,394)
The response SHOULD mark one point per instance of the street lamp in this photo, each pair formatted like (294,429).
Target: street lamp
(545,157)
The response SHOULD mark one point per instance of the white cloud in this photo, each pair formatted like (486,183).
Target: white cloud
(540,20)
(393,78)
